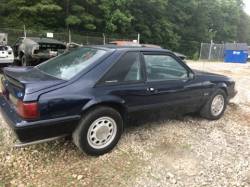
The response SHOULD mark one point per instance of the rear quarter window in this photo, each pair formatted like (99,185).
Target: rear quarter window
(126,70)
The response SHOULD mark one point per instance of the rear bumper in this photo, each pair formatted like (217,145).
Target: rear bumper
(6,60)
(29,131)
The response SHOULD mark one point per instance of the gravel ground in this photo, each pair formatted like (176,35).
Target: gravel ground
(187,151)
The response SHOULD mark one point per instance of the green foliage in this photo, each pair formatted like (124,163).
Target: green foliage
(116,16)
(179,25)
(72,20)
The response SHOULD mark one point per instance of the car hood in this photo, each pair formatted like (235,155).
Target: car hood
(30,78)
(204,73)
(213,77)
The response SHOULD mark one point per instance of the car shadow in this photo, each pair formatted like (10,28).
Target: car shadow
(143,118)
(138,120)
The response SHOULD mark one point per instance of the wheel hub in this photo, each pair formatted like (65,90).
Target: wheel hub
(102,132)
(217,105)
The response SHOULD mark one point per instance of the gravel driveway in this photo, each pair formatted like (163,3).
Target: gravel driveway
(188,151)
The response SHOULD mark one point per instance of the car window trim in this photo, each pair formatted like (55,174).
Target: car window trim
(165,54)
(143,79)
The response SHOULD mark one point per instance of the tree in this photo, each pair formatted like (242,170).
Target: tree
(35,14)
(78,16)
(116,16)
(178,25)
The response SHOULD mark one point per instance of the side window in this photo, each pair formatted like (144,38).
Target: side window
(127,69)
(163,67)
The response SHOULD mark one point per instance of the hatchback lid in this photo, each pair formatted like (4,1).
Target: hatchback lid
(3,52)
(30,79)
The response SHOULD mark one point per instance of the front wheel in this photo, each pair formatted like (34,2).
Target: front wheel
(99,131)
(216,106)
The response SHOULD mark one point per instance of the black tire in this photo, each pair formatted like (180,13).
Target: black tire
(81,132)
(25,61)
(206,110)
(17,62)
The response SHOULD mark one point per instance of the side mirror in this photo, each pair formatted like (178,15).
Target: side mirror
(191,75)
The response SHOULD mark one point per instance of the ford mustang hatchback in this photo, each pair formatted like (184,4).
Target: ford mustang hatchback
(91,91)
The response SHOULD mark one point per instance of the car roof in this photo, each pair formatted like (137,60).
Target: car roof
(44,40)
(128,48)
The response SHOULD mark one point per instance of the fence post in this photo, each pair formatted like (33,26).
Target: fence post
(69,36)
(24,31)
(104,39)
(210,50)
(200,51)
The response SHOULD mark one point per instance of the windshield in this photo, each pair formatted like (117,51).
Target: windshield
(71,63)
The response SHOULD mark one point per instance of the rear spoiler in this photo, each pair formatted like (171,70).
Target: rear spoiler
(30,79)
(13,81)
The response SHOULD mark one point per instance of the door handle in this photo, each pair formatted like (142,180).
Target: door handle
(151,89)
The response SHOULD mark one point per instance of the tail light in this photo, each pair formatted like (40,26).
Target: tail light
(27,110)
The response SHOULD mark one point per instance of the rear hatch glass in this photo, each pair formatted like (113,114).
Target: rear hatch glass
(71,63)
(3,48)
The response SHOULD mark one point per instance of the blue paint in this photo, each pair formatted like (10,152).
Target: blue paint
(236,56)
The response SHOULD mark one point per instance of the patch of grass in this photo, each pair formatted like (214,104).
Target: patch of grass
(31,186)
(70,180)
(186,146)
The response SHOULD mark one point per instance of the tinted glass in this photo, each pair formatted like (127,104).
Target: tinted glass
(71,63)
(127,69)
(3,48)
(162,67)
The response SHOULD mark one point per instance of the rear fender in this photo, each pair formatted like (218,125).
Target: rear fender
(112,101)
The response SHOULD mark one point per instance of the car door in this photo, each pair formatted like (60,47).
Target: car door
(170,83)
(125,81)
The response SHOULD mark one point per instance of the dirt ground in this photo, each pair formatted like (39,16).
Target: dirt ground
(189,151)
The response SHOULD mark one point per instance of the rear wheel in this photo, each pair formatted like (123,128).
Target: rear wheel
(25,61)
(17,62)
(216,106)
(99,131)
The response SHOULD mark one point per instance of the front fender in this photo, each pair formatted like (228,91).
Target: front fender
(223,86)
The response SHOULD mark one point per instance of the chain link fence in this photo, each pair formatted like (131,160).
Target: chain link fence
(84,38)
(212,52)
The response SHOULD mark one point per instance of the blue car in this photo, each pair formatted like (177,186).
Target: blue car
(90,92)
